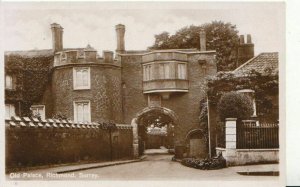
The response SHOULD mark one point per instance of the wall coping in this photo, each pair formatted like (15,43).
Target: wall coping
(221,148)
(231,119)
(169,51)
(249,150)
(26,122)
(100,64)
(257,150)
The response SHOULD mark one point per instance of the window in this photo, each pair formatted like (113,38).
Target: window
(8,82)
(38,111)
(250,93)
(9,111)
(82,111)
(81,78)
(164,71)
(182,71)
(148,72)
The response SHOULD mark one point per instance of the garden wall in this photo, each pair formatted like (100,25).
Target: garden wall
(252,156)
(33,142)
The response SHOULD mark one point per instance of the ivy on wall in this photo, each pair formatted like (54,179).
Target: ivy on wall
(32,74)
(266,87)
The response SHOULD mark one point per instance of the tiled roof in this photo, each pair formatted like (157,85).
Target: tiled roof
(31,53)
(264,63)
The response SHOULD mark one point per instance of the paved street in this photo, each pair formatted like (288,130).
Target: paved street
(160,167)
(153,167)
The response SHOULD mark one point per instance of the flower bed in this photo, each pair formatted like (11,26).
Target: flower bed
(205,164)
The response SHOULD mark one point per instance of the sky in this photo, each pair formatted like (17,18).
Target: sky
(27,26)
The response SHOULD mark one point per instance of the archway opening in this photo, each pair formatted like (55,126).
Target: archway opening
(156,130)
(196,144)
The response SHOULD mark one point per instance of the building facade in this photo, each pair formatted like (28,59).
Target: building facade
(124,88)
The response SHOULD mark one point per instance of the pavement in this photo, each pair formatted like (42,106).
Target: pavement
(156,165)
(162,150)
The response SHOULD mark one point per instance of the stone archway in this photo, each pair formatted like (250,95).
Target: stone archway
(197,146)
(137,120)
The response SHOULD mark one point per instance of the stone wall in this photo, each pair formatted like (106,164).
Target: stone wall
(33,142)
(252,156)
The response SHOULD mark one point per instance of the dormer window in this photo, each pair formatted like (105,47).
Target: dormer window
(81,78)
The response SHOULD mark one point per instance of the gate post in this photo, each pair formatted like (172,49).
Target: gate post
(230,141)
(135,138)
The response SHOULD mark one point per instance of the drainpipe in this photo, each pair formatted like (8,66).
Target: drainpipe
(19,107)
(110,142)
(208,124)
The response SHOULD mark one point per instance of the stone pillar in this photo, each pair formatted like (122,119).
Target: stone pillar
(230,141)
(135,138)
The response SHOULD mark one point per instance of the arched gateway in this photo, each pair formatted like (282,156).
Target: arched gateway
(150,119)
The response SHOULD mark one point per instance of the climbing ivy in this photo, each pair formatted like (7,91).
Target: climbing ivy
(32,74)
(266,87)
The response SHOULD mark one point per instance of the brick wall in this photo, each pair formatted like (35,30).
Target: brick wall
(33,142)
(104,94)
(185,105)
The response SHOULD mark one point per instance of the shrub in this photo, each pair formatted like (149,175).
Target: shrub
(217,162)
(235,105)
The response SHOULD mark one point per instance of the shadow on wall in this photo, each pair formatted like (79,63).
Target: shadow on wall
(33,142)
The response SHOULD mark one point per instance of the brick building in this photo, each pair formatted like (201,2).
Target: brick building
(124,88)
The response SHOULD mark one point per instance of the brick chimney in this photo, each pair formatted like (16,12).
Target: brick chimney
(57,37)
(120,30)
(245,50)
(202,40)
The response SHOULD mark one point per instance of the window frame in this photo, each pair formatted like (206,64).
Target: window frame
(12,87)
(180,71)
(10,107)
(43,115)
(75,113)
(164,73)
(148,72)
(88,86)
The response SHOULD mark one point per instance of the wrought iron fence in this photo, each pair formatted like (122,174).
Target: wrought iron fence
(254,135)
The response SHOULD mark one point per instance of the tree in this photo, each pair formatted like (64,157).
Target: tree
(220,36)
(235,105)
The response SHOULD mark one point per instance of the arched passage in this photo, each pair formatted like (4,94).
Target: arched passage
(152,127)
(197,146)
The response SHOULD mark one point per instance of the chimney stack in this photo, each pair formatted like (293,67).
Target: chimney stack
(249,39)
(242,39)
(120,30)
(245,50)
(202,40)
(57,37)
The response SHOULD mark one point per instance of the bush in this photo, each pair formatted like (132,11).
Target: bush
(205,164)
(235,105)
